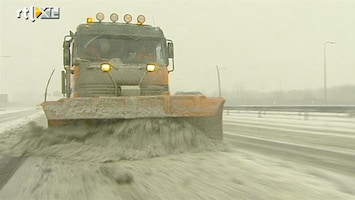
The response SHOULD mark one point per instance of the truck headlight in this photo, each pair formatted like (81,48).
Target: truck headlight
(151,68)
(106,67)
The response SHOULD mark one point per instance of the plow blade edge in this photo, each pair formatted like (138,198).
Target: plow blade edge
(200,111)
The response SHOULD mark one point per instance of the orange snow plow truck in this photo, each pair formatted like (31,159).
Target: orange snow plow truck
(119,71)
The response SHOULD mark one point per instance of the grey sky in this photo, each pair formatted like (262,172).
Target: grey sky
(261,45)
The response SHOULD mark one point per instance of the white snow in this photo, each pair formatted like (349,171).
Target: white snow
(21,119)
(325,125)
(231,173)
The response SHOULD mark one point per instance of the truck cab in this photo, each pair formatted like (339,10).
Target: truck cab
(116,59)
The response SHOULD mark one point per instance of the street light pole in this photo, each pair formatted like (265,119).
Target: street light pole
(325,68)
(219,82)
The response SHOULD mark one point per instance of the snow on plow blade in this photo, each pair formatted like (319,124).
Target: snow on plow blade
(200,111)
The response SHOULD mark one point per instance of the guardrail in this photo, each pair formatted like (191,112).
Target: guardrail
(305,111)
(294,108)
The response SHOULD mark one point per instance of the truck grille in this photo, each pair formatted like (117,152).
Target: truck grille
(92,90)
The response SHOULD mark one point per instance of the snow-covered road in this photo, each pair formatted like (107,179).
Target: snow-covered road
(77,170)
(11,118)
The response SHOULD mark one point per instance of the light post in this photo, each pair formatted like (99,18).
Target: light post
(219,82)
(219,79)
(325,68)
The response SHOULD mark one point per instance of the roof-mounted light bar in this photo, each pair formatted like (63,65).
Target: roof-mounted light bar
(114,17)
(100,16)
(140,19)
(89,20)
(127,18)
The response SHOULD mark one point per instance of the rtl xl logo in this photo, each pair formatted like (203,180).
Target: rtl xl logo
(35,12)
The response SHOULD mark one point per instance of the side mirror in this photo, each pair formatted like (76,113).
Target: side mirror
(171,54)
(170,49)
(64,76)
(66,50)
(66,54)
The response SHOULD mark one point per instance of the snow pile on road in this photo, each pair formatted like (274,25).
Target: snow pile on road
(126,140)
(19,117)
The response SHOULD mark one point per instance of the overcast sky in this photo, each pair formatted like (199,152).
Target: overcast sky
(262,45)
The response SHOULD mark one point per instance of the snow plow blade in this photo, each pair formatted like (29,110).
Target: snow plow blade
(200,111)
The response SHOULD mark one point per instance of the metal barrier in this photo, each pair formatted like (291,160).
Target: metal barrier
(295,108)
(299,110)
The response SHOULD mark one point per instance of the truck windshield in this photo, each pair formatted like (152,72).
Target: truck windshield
(129,50)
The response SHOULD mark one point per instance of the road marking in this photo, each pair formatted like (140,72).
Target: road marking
(274,127)
(8,166)
(333,150)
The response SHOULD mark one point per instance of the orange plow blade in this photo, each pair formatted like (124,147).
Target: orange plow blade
(200,111)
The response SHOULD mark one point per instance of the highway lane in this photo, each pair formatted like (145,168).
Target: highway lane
(338,161)
(8,166)
(325,143)
(8,116)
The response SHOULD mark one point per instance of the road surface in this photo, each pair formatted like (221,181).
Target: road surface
(261,158)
